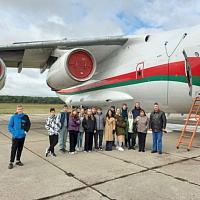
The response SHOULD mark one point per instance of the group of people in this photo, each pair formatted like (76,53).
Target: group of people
(119,128)
(126,125)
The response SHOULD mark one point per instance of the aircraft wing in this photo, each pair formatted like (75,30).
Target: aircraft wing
(36,54)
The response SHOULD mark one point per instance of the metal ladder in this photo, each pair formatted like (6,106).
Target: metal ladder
(194,114)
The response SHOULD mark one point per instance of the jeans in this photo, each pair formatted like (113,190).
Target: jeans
(63,138)
(119,143)
(98,134)
(157,140)
(73,140)
(80,139)
(17,146)
(53,140)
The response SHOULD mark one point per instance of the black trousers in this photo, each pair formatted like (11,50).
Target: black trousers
(114,137)
(131,140)
(73,140)
(142,140)
(98,135)
(88,141)
(109,145)
(53,140)
(17,146)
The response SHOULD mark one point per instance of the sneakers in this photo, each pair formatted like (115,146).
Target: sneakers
(89,151)
(53,154)
(85,151)
(19,163)
(153,151)
(160,152)
(117,147)
(61,151)
(75,151)
(10,166)
(72,153)
(47,152)
(96,149)
(120,149)
(78,149)
(64,150)
(133,148)
(100,148)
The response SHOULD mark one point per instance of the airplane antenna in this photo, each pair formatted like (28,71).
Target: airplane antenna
(184,35)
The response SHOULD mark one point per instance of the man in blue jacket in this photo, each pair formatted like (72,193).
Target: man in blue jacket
(19,125)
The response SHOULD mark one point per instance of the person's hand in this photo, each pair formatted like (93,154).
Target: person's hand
(95,131)
(137,120)
(163,130)
(150,129)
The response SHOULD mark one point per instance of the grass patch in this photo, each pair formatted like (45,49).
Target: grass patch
(30,108)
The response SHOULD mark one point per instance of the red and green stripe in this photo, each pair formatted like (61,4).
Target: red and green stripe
(158,73)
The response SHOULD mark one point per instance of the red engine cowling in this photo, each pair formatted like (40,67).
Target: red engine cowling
(2,73)
(72,68)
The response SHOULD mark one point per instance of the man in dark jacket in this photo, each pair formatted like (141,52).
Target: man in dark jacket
(157,125)
(100,127)
(19,125)
(124,113)
(136,110)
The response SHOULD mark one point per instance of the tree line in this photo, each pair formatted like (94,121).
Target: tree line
(28,99)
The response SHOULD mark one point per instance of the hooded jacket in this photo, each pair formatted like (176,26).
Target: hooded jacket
(19,125)
(99,121)
(120,125)
(53,125)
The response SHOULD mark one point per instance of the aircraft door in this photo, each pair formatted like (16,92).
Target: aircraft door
(188,72)
(140,71)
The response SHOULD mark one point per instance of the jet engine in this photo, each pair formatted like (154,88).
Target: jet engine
(2,73)
(72,68)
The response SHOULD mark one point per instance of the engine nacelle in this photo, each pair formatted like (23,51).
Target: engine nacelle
(2,73)
(72,68)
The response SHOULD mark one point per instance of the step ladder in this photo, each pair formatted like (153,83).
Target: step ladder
(193,115)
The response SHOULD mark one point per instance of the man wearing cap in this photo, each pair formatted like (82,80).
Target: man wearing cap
(157,125)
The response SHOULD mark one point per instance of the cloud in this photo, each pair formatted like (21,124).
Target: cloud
(50,20)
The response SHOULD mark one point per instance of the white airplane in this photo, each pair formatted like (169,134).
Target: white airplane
(163,68)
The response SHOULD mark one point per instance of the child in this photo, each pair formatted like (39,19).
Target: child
(81,130)
(74,125)
(120,129)
(100,127)
(90,127)
(63,117)
(109,127)
(19,125)
(53,126)
(129,131)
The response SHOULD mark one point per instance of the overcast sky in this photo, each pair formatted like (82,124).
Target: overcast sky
(30,20)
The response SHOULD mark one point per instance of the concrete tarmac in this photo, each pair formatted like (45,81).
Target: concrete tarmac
(98,175)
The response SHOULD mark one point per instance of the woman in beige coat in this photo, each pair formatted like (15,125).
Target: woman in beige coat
(108,131)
